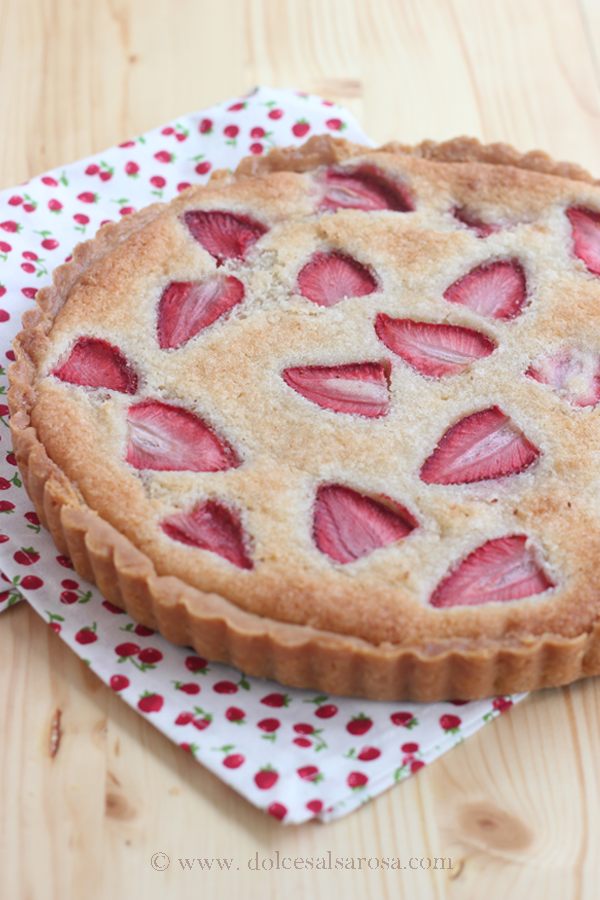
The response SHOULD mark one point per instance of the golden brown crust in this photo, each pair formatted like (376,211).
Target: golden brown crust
(519,651)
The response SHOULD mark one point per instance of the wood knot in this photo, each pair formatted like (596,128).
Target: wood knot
(494,828)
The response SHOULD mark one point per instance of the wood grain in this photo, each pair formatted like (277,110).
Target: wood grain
(515,806)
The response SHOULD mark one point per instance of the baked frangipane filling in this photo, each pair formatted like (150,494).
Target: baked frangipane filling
(334,418)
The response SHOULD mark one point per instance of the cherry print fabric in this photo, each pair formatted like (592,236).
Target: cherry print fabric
(295,754)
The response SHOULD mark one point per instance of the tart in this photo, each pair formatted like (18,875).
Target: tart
(333,419)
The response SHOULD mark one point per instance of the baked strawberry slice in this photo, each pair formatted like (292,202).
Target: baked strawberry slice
(331,277)
(170,439)
(432,349)
(349,525)
(96,363)
(574,374)
(466,217)
(359,388)
(481,446)
(364,188)
(187,307)
(585,226)
(225,235)
(497,290)
(211,526)
(500,570)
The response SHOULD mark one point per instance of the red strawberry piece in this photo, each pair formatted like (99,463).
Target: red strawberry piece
(150,656)
(50,244)
(432,349)
(81,218)
(585,225)
(358,388)
(369,753)
(211,526)
(269,724)
(276,700)
(33,518)
(143,630)
(315,806)
(92,169)
(127,649)
(304,728)
(277,810)
(231,131)
(11,227)
(402,718)
(170,439)
(234,761)
(64,561)
(15,201)
(203,167)
(326,711)
(86,636)
(300,742)
(497,290)
(112,608)
(26,556)
(256,148)
(300,128)
(69,597)
(348,525)
(574,374)
(6,505)
(308,773)
(356,780)
(257,133)
(119,682)
(95,363)
(236,107)
(54,205)
(275,113)
(190,688)
(187,307)
(150,703)
(224,235)
(364,188)
(87,197)
(235,714)
(484,445)
(502,703)
(449,723)
(158,181)
(164,156)
(225,687)
(359,724)
(51,182)
(32,583)
(266,778)
(330,278)
(205,126)
(465,217)
(409,747)
(184,718)
(195,664)
(499,570)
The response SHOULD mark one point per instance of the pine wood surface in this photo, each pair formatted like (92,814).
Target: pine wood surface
(515,806)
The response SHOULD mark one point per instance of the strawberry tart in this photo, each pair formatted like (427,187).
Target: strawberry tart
(334,419)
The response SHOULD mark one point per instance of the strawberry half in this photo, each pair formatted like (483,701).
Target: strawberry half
(96,363)
(186,307)
(170,439)
(359,388)
(211,526)
(482,446)
(431,349)
(348,525)
(365,188)
(225,235)
(331,277)
(585,225)
(500,570)
(574,374)
(482,229)
(497,290)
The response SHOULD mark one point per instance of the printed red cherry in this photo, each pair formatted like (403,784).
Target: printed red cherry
(112,608)
(50,244)
(4,595)
(327,711)
(164,156)
(64,561)
(132,168)
(356,780)
(275,114)
(402,718)
(203,167)
(6,506)
(28,267)
(31,583)
(29,207)
(303,728)
(202,723)
(256,148)
(127,210)
(4,316)
(276,700)
(359,724)
(308,773)
(302,742)
(335,124)
(55,626)
(26,556)
(409,747)
(502,703)
(449,723)
(4,247)
(266,778)
(190,688)
(277,810)
(168,130)
(10,226)
(127,649)
(143,630)
(257,133)
(234,761)
(119,682)
(92,169)
(127,144)
(234,714)
(51,182)
(87,197)
(182,186)
(81,218)
(55,205)
(184,718)
(195,664)
(33,518)
(369,753)
(150,656)
(12,460)
(150,703)
(69,597)
(28,254)
(231,131)
(5,484)
(15,201)
(269,724)
(86,636)
(205,126)
(69,584)
(225,687)
(2,293)
(416,764)
(158,181)
(236,107)
(315,806)
(458,702)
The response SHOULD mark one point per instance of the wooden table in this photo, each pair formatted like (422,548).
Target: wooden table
(516,806)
